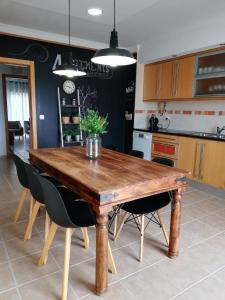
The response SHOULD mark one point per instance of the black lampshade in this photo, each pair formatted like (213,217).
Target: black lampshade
(113,56)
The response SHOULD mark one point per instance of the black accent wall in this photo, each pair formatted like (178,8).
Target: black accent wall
(110,84)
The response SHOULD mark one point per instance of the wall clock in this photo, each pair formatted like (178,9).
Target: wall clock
(69,87)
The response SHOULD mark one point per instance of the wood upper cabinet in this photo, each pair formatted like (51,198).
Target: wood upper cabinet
(169,80)
(151,82)
(184,78)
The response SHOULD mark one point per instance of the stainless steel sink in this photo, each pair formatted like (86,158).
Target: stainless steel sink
(210,135)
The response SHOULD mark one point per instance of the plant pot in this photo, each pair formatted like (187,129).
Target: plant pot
(76,120)
(77,137)
(65,120)
(93,145)
(68,138)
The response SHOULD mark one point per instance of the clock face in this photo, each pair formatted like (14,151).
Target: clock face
(69,86)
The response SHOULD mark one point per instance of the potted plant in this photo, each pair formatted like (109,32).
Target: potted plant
(68,134)
(65,117)
(94,125)
(75,118)
(76,134)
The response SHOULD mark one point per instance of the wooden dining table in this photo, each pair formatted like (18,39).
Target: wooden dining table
(113,178)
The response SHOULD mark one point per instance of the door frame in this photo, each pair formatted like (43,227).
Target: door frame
(32,99)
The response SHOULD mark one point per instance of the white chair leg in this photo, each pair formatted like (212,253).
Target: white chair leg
(20,205)
(85,237)
(121,226)
(69,232)
(163,228)
(142,238)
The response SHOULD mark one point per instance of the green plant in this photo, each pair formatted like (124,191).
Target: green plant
(76,132)
(68,132)
(94,123)
(65,114)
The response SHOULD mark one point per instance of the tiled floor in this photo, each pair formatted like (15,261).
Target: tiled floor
(198,272)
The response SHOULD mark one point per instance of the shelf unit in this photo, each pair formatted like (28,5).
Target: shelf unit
(70,108)
(210,75)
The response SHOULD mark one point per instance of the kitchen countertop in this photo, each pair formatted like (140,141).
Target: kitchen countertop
(193,134)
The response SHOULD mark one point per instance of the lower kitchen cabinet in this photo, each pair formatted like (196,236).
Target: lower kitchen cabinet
(204,159)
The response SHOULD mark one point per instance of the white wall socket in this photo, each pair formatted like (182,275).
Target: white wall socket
(42,117)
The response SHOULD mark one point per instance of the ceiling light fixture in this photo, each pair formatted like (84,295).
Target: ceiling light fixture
(94,11)
(69,69)
(113,56)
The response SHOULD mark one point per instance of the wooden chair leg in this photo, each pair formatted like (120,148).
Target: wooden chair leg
(32,202)
(115,226)
(142,238)
(28,231)
(85,237)
(69,232)
(47,226)
(48,242)
(111,262)
(20,205)
(163,228)
(121,226)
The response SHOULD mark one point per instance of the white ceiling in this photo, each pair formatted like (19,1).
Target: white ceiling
(137,20)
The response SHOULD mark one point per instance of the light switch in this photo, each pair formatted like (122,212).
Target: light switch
(42,117)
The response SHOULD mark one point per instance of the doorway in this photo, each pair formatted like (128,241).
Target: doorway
(18,97)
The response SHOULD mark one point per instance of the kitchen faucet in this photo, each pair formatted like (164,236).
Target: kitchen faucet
(219,130)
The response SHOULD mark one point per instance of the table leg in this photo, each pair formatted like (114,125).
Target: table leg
(101,280)
(175,224)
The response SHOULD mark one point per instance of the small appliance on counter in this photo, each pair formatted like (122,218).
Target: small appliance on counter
(153,123)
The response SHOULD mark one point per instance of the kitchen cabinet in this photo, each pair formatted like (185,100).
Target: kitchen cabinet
(184,78)
(169,80)
(203,158)
(151,82)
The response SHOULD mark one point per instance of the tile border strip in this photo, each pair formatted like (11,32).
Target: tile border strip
(184,112)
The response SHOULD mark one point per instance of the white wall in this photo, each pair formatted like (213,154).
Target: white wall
(205,35)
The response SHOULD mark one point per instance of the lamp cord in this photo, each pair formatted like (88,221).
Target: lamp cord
(114,14)
(69,22)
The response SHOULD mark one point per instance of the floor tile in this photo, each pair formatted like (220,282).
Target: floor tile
(10,295)
(6,277)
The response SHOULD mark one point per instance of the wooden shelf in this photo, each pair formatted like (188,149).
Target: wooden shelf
(210,75)
(70,123)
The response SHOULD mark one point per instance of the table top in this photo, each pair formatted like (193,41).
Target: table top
(113,177)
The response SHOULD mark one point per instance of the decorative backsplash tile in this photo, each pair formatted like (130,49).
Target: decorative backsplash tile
(184,112)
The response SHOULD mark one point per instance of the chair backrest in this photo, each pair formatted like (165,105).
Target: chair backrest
(35,187)
(54,203)
(136,153)
(21,171)
(164,161)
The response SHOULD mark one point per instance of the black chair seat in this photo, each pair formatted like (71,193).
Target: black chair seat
(53,180)
(147,204)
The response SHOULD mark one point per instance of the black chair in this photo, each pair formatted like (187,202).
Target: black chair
(136,153)
(24,181)
(116,209)
(68,214)
(147,207)
(22,176)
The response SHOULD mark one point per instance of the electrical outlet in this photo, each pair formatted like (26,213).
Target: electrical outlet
(42,117)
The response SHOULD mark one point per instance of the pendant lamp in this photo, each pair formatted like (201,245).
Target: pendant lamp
(69,69)
(113,56)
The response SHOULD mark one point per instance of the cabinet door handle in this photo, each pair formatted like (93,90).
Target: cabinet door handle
(201,161)
(197,161)
(177,74)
